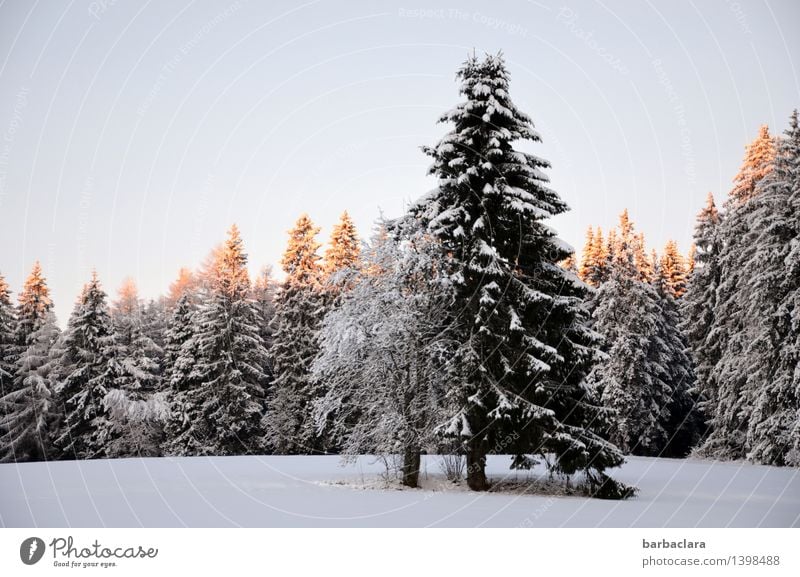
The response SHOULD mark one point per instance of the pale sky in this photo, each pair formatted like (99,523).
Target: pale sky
(132,134)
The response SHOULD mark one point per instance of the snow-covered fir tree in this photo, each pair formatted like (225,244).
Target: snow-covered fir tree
(344,247)
(224,396)
(135,423)
(137,353)
(789,312)
(699,304)
(299,307)
(181,305)
(180,356)
(8,346)
(517,374)
(179,330)
(759,156)
(27,417)
(632,380)
(684,423)
(34,303)
(771,360)
(86,369)
(382,357)
(134,408)
(8,333)
(737,331)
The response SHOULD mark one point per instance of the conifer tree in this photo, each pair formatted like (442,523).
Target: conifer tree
(8,345)
(757,164)
(134,408)
(789,309)
(699,303)
(179,331)
(34,303)
(180,357)
(8,332)
(633,380)
(673,270)
(137,353)
(227,383)
(644,264)
(523,344)
(735,331)
(682,420)
(27,416)
(771,291)
(86,370)
(602,258)
(298,312)
(588,258)
(344,247)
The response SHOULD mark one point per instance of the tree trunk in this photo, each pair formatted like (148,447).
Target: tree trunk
(411,465)
(476,466)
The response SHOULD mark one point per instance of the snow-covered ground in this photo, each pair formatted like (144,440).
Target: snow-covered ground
(317,491)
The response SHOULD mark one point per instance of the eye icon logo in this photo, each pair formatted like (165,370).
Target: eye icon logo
(31,550)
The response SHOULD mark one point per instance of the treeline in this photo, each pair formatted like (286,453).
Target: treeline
(647,378)
(703,351)
(462,327)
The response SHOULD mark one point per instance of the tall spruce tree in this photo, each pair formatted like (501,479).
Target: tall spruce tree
(180,357)
(771,293)
(26,413)
(34,303)
(86,370)
(699,304)
(789,309)
(298,313)
(758,160)
(523,344)
(228,380)
(734,330)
